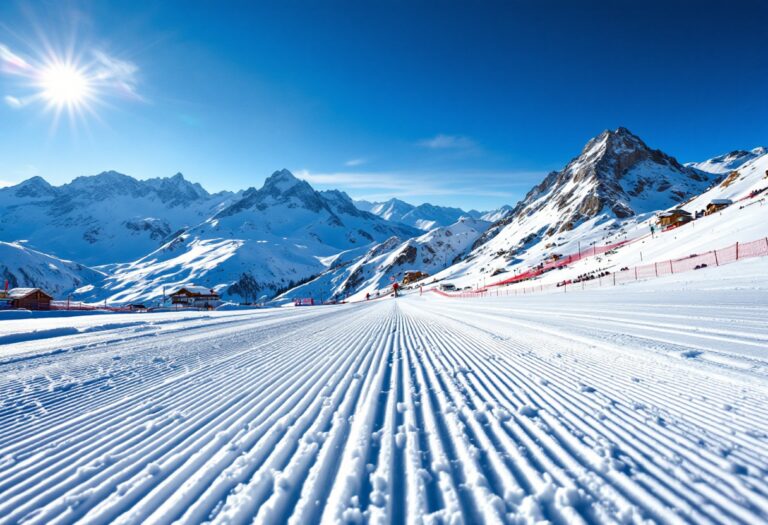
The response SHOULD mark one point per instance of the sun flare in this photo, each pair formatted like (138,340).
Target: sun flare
(64,85)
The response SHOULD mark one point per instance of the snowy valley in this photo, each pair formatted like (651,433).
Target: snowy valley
(135,240)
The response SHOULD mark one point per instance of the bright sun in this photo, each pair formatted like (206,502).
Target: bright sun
(64,85)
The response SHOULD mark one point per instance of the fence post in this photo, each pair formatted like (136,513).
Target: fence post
(737,250)
(635,273)
(614,278)
(671,269)
(656,267)
(717,263)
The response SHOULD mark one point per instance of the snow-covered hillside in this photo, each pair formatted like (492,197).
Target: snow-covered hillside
(743,221)
(617,178)
(428,253)
(24,267)
(267,240)
(723,164)
(105,218)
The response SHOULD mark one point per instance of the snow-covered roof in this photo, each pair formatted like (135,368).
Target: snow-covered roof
(199,290)
(19,293)
(718,202)
(670,213)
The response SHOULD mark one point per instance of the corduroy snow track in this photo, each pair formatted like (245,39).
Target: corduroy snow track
(409,410)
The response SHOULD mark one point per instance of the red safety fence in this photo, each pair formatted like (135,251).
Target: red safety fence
(79,306)
(719,257)
(564,261)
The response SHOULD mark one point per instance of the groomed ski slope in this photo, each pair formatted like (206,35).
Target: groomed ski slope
(643,402)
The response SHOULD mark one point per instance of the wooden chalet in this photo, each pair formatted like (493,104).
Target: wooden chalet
(195,297)
(676,217)
(414,275)
(716,205)
(26,298)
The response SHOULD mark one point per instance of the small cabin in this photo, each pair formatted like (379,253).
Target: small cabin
(676,217)
(716,205)
(414,275)
(26,298)
(195,297)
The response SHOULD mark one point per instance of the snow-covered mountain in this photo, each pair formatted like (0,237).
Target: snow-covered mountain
(264,241)
(24,267)
(616,176)
(492,215)
(424,216)
(724,164)
(429,253)
(743,221)
(743,177)
(153,235)
(103,218)
(616,179)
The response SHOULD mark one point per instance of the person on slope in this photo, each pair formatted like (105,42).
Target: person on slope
(367,296)
(395,287)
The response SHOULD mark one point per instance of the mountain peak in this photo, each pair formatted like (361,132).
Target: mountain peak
(281,180)
(34,187)
(36,181)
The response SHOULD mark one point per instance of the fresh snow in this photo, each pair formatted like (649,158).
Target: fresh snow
(21,266)
(644,403)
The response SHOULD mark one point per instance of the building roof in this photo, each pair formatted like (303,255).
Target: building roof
(671,213)
(20,293)
(721,202)
(197,290)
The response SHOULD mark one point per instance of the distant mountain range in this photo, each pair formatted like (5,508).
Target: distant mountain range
(111,236)
(105,218)
(425,216)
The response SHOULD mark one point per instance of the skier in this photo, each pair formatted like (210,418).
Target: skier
(367,296)
(653,230)
(395,287)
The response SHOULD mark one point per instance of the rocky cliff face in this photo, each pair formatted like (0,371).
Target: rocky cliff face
(616,175)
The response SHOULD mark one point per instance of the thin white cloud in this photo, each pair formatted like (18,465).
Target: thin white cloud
(13,101)
(452,142)
(121,75)
(10,62)
(385,185)
(355,162)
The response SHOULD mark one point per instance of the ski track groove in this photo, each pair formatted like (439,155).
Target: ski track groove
(415,410)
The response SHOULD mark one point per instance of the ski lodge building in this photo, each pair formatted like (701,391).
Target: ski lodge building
(195,297)
(676,217)
(716,205)
(26,298)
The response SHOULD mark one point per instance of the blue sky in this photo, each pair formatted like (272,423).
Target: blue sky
(465,104)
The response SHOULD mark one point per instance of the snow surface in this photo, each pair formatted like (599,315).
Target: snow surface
(24,267)
(641,403)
